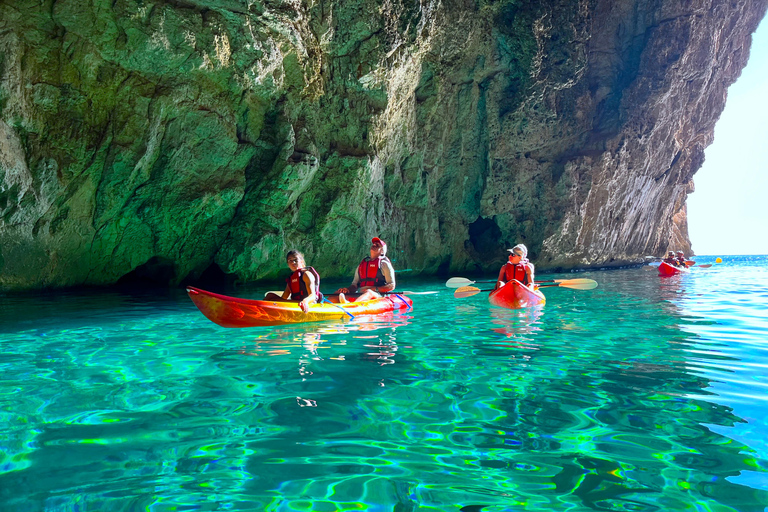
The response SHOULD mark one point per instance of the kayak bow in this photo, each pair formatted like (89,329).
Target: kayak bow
(515,295)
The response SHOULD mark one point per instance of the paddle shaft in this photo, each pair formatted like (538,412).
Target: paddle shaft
(458,282)
(339,307)
(540,286)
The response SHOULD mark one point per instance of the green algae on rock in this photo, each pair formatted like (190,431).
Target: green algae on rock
(170,139)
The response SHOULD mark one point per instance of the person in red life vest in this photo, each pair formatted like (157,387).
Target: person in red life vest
(373,276)
(681,259)
(518,267)
(303,284)
(671,260)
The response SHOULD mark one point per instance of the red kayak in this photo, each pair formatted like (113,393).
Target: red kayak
(666,270)
(234,312)
(515,295)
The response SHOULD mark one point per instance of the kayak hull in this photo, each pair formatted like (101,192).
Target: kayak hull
(515,295)
(666,270)
(234,312)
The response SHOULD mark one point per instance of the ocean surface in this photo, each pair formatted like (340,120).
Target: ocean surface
(643,394)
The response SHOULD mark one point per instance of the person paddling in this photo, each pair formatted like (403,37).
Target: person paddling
(303,284)
(671,260)
(374,276)
(681,259)
(518,267)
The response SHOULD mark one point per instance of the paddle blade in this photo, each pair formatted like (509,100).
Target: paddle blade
(574,284)
(705,266)
(458,282)
(466,291)
(690,263)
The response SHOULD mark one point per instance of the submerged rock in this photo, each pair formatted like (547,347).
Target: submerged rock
(170,140)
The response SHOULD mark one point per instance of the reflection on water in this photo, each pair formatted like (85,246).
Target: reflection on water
(639,395)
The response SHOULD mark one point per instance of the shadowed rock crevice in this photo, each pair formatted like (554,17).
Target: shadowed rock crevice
(212,278)
(485,238)
(155,272)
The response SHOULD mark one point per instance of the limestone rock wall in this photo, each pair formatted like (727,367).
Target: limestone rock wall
(174,140)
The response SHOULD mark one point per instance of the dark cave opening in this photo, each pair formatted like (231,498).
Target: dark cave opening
(156,271)
(485,237)
(212,277)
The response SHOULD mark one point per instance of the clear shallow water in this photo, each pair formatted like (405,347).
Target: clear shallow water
(643,394)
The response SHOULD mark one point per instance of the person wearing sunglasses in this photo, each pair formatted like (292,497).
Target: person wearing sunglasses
(681,261)
(374,276)
(517,267)
(303,285)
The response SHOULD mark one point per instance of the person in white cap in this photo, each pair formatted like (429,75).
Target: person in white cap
(374,276)
(517,267)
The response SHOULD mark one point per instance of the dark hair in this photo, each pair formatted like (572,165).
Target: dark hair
(294,252)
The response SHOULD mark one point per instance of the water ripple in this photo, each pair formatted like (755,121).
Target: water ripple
(643,394)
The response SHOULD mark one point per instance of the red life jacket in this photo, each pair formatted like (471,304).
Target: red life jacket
(369,272)
(299,287)
(517,271)
(682,261)
(671,261)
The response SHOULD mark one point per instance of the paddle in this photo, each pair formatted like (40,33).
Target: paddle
(574,284)
(335,294)
(401,293)
(458,282)
(705,266)
(324,300)
(339,307)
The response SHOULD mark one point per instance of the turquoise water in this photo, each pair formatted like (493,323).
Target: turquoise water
(643,394)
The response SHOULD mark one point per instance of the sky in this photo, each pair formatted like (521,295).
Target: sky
(728,212)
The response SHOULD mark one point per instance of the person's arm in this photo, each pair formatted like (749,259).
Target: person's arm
(500,280)
(529,269)
(287,292)
(309,281)
(353,287)
(389,277)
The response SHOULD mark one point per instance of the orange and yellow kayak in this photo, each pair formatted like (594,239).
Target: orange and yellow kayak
(233,312)
(515,295)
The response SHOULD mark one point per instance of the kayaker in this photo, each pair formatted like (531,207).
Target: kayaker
(671,260)
(303,284)
(518,267)
(682,262)
(374,276)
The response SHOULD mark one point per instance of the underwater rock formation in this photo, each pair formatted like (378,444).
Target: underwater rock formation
(174,140)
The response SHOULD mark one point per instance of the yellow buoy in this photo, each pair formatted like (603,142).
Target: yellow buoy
(719,260)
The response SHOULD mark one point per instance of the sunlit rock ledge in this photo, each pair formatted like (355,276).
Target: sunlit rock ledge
(182,140)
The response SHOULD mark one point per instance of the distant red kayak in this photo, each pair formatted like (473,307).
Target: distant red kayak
(666,270)
(233,312)
(515,295)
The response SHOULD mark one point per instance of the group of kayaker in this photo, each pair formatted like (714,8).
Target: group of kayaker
(676,259)
(374,276)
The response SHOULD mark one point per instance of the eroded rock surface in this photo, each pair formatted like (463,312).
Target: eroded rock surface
(176,139)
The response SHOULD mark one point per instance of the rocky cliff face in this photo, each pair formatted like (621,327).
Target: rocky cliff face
(178,139)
